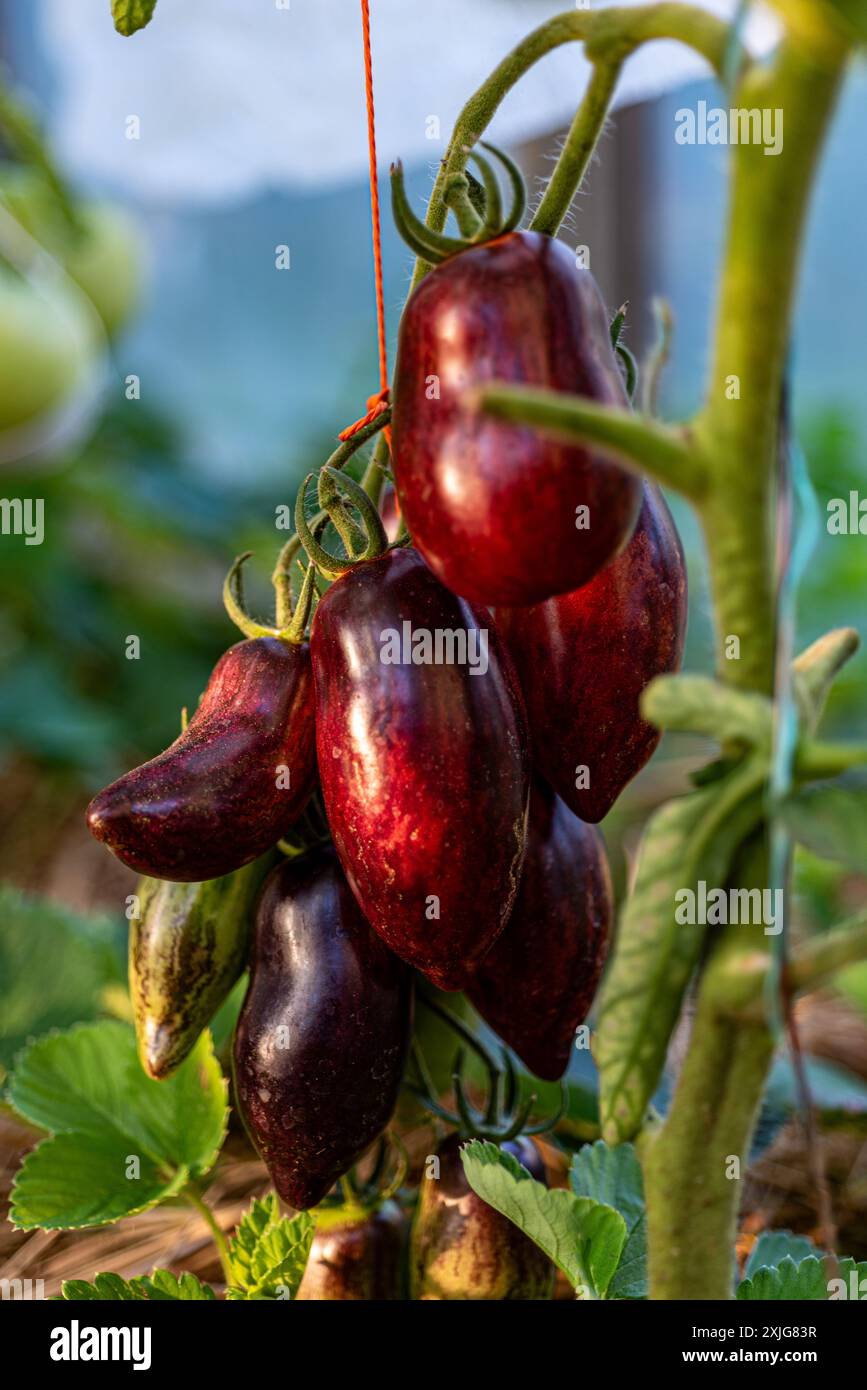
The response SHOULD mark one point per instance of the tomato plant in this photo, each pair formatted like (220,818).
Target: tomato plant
(408,837)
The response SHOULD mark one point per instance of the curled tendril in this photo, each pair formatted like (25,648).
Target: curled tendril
(290,626)
(339,495)
(478,207)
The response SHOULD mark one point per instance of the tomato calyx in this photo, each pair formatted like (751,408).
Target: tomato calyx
(504,1115)
(291,622)
(477,207)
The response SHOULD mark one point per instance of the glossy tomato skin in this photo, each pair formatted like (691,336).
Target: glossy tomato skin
(424,768)
(492,505)
(585,658)
(323,1033)
(216,798)
(461,1248)
(356,1256)
(537,982)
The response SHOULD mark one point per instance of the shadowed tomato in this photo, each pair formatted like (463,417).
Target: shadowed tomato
(423,761)
(495,508)
(584,659)
(322,1036)
(356,1255)
(461,1248)
(235,780)
(537,982)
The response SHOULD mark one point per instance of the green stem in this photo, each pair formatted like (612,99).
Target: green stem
(192,1195)
(609,35)
(638,441)
(737,427)
(692,1202)
(578,150)
(692,1197)
(740,980)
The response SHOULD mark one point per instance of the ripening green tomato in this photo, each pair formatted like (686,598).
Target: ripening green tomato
(49,341)
(105,257)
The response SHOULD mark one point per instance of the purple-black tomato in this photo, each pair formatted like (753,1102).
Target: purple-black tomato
(235,780)
(537,982)
(423,761)
(322,1036)
(584,659)
(502,514)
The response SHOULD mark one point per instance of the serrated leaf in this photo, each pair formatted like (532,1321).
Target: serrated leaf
(804,1281)
(269,1253)
(583,1238)
(701,705)
(75,1180)
(158,1287)
(86,1086)
(815,669)
(131,15)
(831,821)
(693,838)
(87,955)
(613,1177)
(774,1246)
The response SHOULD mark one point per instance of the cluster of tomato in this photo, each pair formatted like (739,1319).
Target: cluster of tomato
(466,707)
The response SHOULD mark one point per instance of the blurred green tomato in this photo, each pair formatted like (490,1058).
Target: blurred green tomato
(104,256)
(49,342)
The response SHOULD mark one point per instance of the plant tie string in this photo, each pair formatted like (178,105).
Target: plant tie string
(378,402)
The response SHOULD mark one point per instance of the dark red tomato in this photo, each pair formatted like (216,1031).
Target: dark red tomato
(493,506)
(356,1256)
(584,659)
(423,761)
(537,982)
(235,780)
(461,1248)
(322,1037)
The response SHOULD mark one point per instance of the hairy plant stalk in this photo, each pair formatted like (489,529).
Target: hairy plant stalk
(692,1202)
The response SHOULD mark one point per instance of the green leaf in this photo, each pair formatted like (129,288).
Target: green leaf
(87,1088)
(159,1286)
(816,668)
(831,821)
(268,1252)
(613,1177)
(701,705)
(131,15)
(693,838)
(87,954)
(583,1238)
(806,1281)
(774,1246)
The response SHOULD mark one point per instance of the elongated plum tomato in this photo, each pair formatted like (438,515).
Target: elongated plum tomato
(461,1248)
(537,982)
(584,659)
(493,506)
(423,761)
(322,1037)
(355,1255)
(235,780)
(187,947)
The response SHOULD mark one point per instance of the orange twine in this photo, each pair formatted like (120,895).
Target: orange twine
(378,402)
